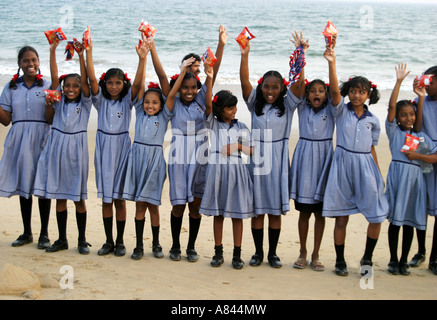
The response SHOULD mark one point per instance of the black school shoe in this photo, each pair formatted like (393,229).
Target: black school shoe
(120,250)
(404,268)
(341,269)
(58,245)
(157,251)
(106,249)
(192,255)
(275,262)
(82,246)
(217,261)
(417,260)
(175,254)
(393,267)
(43,242)
(138,253)
(22,240)
(237,263)
(256,260)
(433,266)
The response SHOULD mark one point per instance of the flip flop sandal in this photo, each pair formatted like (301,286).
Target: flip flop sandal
(316,265)
(300,263)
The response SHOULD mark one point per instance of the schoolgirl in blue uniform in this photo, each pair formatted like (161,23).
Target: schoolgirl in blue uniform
(272,107)
(62,171)
(355,183)
(113,97)
(187,159)
(406,186)
(229,191)
(312,158)
(22,103)
(146,169)
(428,126)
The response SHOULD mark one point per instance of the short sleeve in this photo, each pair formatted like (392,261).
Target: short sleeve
(376,131)
(6,99)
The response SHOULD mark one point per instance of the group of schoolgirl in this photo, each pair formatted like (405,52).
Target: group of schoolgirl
(46,155)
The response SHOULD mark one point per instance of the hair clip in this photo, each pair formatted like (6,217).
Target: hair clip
(153,85)
(103,76)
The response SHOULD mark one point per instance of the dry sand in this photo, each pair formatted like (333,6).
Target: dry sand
(94,277)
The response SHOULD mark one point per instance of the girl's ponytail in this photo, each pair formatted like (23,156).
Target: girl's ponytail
(13,82)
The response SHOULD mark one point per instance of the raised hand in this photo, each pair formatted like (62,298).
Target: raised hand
(401,71)
(223,34)
(329,54)
(298,40)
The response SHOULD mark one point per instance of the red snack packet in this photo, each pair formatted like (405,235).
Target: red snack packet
(209,58)
(411,143)
(329,31)
(55,35)
(86,37)
(147,29)
(424,80)
(54,94)
(244,37)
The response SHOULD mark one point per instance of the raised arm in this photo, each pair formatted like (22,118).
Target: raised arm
(223,38)
(94,84)
(142,52)
(83,74)
(298,88)
(54,65)
(160,72)
(172,95)
(334,89)
(246,86)
(421,93)
(209,84)
(401,74)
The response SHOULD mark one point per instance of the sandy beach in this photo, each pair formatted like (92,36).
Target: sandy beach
(121,278)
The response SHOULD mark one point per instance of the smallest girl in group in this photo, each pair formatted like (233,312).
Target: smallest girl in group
(229,191)
(312,158)
(406,186)
(146,169)
(62,171)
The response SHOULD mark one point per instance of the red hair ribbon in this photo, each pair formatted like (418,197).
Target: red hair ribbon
(126,78)
(15,77)
(215,99)
(197,78)
(414,103)
(63,77)
(372,85)
(306,82)
(153,85)
(174,77)
(103,76)
(327,84)
(285,82)
(260,80)
(39,76)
